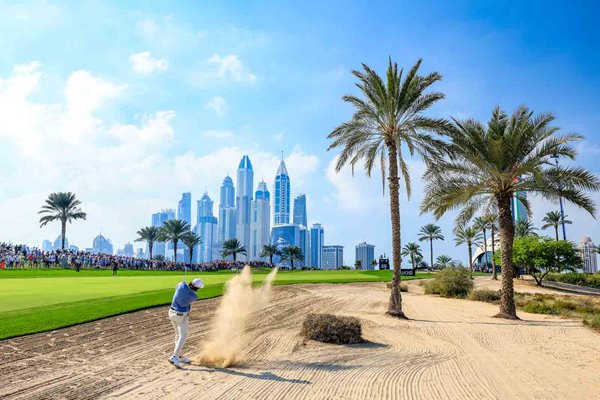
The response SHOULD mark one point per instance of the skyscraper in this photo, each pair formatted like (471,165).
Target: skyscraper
(588,255)
(316,246)
(158,220)
(245,182)
(184,208)
(305,244)
(286,235)
(260,223)
(281,205)
(206,228)
(300,210)
(102,245)
(365,253)
(333,257)
(519,210)
(227,220)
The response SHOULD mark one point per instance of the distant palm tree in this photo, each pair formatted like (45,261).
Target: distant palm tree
(413,251)
(270,250)
(357,264)
(292,253)
(174,230)
(483,224)
(159,257)
(191,240)
(490,163)
(525,228)
(430,232)
(148,234)
(470,236)
(387,117)
(64,207)
(373,264)
(554,219)
(233,247)
(443,261)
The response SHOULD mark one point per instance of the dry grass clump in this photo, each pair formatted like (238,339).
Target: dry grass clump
(328,328)
(485,295)
(403,286)
(450,282)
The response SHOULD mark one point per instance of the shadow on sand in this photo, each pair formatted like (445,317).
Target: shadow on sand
(522,322)
(267,376)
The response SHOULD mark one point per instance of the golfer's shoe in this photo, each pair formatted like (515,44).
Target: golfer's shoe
(185,360)
(175,361)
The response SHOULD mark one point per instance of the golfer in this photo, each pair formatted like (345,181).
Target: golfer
(179,314)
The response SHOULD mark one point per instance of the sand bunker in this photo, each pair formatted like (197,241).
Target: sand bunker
(228,329)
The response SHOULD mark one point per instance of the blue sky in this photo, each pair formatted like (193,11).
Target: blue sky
(130,104)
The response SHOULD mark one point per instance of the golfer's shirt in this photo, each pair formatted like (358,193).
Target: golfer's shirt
(183,298)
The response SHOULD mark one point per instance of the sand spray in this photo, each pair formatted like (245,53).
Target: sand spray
(228,336)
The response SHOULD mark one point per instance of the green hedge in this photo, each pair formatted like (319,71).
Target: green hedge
(577,278)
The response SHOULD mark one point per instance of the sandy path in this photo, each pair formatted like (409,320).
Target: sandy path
(451,349)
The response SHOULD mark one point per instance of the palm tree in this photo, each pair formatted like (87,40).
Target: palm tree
(430,232)
(554,219)
(292,253)
(174,230)
(64,207)
(489,164)
(358,264)
(148,234)
(191,240)
(482,224)
(470,236)
(387,118)
(443,261)
(412,250)
(525,228)
(233,247)
(270,250)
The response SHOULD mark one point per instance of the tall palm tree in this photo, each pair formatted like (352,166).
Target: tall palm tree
(292,253)
(233,247)
(430,232)
(525,228)
(554,219)
(470,236)
(174,230)
(413,251)
(270,250)
(490,163)
(443,261)
(482,224)
(148,234)
(388,118)
(191,240)
(64,207)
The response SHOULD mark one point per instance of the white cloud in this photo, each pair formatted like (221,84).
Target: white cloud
(279,136)
(230,66)
(219,134)
(218,105)
(144,64)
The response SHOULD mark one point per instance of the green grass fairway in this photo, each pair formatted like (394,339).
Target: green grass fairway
(38,300)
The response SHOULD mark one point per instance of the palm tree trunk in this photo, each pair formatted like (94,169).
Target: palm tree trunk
(234,254)
(395,303)
(174,250)
(470,261)
(191,253)
(150,245)
(556,232)
(63,231)
(487,261)
(507,233)
(495,274)
(292,263)
(431,251)
(271,260)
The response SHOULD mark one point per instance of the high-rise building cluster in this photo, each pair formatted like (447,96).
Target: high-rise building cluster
(244,213)
(589,255)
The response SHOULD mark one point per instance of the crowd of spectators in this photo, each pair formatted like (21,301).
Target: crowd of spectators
(21,256)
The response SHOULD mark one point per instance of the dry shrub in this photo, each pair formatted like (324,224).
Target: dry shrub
(403,286)
(328,328)
(450,282)
(485,295)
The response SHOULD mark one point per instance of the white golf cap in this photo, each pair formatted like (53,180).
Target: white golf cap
(199,283)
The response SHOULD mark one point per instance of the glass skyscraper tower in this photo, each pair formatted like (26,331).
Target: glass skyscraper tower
(260,223)
(245,182)
(300,210)
(281,205)
(184,208)
(206,228)
(227,220)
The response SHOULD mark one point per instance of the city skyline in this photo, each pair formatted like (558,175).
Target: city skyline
(129,139)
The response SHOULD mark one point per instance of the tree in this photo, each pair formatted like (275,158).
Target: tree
(63,207)
(413,251)
(357,264)
(233,247)
(430,232)
(554,219)
(470,236)
(159,257)
(489,163)
(388,118)
(443,261)
(540,256)
(525,228)
(373,264)
(483,224)
(270,250)
(174,230)
(191,240)
(148,234)
(292,253)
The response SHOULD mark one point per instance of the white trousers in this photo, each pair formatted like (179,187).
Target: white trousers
(181,324)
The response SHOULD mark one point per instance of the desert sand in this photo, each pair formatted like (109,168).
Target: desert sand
(451,349)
